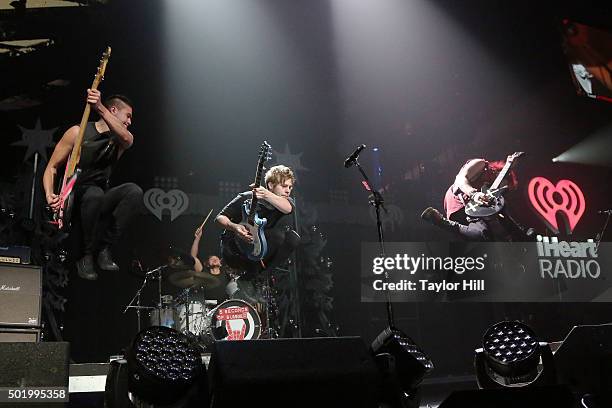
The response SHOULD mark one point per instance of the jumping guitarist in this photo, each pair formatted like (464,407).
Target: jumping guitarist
(103,143)
(273,204)
(474,203)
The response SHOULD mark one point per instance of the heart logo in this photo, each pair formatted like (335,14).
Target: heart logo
(157,200)
(548,199)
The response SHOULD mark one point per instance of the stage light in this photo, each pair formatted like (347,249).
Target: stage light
(163,365)
(403,366)
(511,357)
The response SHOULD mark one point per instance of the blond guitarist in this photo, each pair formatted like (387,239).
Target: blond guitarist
(104,141)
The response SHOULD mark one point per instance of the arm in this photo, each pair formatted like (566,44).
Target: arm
(59,157)
(238,229)
(467,173)
(125,137)
(195,248)
(280,203)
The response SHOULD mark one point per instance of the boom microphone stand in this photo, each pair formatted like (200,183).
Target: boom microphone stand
(375,199)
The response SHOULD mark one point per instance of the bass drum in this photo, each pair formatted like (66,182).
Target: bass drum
(235,320)
(164,316)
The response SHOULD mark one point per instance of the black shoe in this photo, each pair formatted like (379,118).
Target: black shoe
(105,261)
(432,215)
(85,268)
(435,217)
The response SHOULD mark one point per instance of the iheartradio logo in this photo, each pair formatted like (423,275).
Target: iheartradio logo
(549,199)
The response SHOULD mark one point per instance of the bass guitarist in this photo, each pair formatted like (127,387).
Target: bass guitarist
(104,141)
(472,176)
(274,204)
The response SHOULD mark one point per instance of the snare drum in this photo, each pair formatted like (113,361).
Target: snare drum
(235,320)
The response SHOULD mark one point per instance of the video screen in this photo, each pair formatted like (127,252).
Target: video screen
(589,53)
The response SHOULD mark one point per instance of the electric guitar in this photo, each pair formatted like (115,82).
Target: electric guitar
(258,249)
(493,194)
(63,215)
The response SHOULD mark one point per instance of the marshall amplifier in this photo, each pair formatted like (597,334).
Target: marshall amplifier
(15,254)
(19,335)
(20,295)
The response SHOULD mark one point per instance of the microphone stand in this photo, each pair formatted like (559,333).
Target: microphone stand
(376,199)
(603,230)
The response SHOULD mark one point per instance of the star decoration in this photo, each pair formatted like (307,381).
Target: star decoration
(37,140)
(290,160)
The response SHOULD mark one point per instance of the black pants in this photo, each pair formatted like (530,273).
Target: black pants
(106,214)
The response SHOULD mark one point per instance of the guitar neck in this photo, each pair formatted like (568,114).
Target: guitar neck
(76,148)
(501,175)
(257,183)
(75,156)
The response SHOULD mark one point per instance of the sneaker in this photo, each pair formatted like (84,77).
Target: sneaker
(85,268)
(105,261)
(433,216)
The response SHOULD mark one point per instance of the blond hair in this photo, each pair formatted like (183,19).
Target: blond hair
(278,175)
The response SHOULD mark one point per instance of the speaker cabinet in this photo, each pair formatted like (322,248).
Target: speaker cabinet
(26,365)
(21,335)
(34,364)
(315,372)
(584,360)
(518,397)
(20,295)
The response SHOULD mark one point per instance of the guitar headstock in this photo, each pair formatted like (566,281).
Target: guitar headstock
(101,68)
(265,152)
(513,156)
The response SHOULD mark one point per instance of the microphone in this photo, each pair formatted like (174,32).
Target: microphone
(353,157)
(605,212)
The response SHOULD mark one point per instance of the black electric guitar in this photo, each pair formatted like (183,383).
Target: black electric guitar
(493,194)
(66,195)
(258,249)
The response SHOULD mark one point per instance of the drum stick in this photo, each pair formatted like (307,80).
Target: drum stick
(206,219)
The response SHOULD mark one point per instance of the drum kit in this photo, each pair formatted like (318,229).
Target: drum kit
(190,312)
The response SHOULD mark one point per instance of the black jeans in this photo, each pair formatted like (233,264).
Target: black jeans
(110,209)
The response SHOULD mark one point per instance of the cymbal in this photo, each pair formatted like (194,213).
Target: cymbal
(190,278)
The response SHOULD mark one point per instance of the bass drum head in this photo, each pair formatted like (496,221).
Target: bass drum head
(235,320)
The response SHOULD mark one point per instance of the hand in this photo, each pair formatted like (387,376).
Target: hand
(54,201)
(481,198)
(94,98)
(198,233)
(261,193)
(243,233)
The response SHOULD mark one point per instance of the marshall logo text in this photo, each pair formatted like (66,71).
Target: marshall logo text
(10,288)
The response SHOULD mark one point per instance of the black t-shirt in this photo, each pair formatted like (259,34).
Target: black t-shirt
(233,210)
(99,152)
(276,224)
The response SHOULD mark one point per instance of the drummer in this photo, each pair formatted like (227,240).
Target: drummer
(211,265)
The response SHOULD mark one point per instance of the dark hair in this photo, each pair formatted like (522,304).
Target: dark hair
(115,99)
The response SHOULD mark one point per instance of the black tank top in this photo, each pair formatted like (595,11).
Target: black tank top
(99,152)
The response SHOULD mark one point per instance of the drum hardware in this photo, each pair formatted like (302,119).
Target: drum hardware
(152,274)
(270,306)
